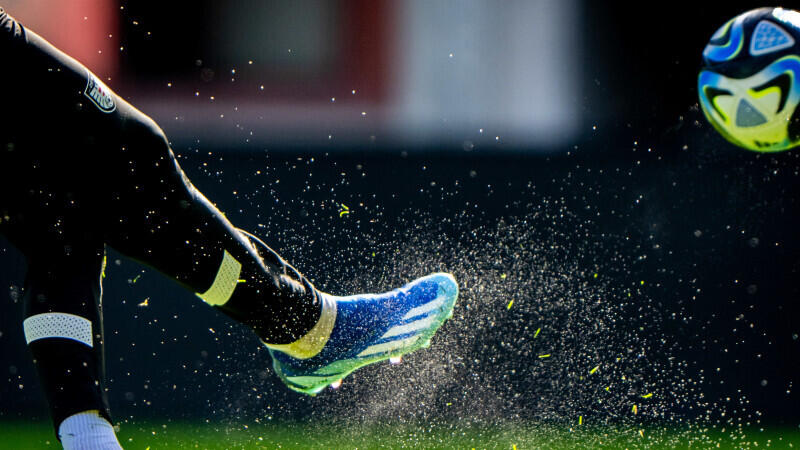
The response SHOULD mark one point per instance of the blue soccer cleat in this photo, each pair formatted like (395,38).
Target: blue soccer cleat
(370,328)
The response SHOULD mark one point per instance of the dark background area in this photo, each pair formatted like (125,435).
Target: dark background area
(702,234)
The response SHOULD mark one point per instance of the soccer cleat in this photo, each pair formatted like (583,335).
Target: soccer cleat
(370,328)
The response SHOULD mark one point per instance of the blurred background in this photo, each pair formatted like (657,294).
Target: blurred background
(532,76)
(546,152)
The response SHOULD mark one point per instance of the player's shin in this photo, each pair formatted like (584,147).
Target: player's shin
(63,329)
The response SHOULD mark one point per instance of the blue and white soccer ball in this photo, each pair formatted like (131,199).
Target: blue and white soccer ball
(749,85)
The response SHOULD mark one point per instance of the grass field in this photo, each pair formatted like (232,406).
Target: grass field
(153,436)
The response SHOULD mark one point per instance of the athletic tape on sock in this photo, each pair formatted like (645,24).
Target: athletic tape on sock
(225,282)
(312,343)
(58,325)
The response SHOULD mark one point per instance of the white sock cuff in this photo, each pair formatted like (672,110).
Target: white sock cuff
(87,430)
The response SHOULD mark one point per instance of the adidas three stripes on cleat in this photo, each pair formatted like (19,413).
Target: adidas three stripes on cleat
(370,328)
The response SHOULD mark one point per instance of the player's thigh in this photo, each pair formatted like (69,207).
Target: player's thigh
(150,209)
(65,276)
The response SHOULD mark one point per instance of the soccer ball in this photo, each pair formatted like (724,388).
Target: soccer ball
(749,85)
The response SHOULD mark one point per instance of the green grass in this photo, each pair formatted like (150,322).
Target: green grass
(153,435)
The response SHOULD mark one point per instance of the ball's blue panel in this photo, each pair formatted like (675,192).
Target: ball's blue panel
(768,38)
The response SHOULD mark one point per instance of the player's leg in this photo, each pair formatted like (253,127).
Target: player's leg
(63,316)
(64,331)
(155,215)
(152,213)
(113,163)
(158,217)
(315,338)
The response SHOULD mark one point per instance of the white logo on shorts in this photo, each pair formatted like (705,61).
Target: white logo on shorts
(99,94)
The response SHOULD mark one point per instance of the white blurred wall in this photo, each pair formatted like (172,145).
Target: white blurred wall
(510,67)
